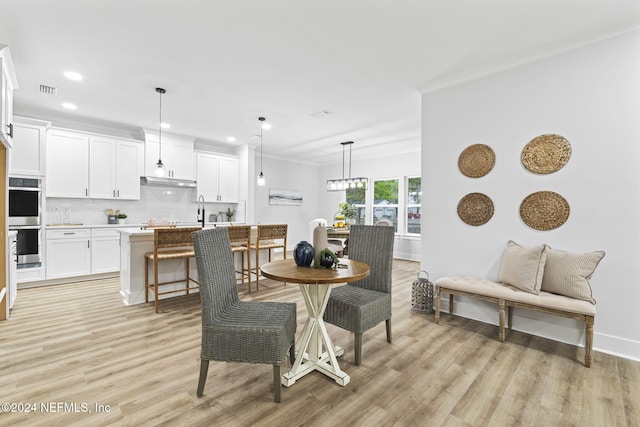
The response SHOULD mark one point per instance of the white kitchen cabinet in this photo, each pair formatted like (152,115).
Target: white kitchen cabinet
(217,177)
(67,164)
(177,156)
(105,250)
(28,154)
(8,83)
(68,253)
(114,168)
(12,274)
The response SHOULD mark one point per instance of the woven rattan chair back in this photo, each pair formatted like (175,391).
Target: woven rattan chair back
(240,238)
(373,245)
(268,237)
(218,290)
(164,238)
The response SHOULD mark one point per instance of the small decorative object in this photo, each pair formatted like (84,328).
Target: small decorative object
(122,218)
(546,154)
(476,160)
(348,213)
(112,216)
(319,240)
(544,210)
(422,294)
(303,254)
(327,258)
(230,213)
(475,208)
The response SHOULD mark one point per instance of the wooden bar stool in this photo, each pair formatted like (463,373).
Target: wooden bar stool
(268,236)
(240,238)
(169,243)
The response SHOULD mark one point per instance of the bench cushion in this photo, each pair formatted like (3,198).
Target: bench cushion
(503,291)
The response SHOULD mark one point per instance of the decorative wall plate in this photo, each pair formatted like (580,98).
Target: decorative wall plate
(544,210)
(476,160)
(475,208)
(546,154)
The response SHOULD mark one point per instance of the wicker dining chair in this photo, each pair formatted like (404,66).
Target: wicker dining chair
(269,237)
(240,238)
(169,243)
(361,305)
(235,330)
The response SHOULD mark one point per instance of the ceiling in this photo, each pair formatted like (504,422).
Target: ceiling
(224,63)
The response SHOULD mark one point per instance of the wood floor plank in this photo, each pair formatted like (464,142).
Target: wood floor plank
(78,344)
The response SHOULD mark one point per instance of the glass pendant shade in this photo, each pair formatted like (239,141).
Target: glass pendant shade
(341,184)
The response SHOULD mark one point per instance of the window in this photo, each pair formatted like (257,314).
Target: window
(414,205)
(357,197)
(385,201)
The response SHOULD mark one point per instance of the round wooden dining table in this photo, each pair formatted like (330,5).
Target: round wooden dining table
(314,349)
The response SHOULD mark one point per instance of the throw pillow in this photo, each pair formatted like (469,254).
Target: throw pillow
(523,268)
(568,274)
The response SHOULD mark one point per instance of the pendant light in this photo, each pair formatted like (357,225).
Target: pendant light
(346,183)
(261,180)
(160,166)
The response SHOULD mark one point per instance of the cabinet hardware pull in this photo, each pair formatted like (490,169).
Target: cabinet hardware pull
(69,233)
(10,126)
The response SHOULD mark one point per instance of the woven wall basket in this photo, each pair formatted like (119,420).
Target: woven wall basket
(475,208)
(476,160)
(544,210)
(546,154)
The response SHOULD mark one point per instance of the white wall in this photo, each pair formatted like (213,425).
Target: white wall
(286,175)
(589,95)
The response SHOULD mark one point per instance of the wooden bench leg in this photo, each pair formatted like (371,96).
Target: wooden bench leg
(501,327)
(437,305)
(450,303)
(588,341)
(509,317)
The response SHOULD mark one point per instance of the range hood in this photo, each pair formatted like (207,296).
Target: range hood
(167,182)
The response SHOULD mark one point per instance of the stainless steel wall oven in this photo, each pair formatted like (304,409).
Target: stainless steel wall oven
(25,216)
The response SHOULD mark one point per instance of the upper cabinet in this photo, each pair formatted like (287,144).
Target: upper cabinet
(114,168)
(81,165)
(28,154)
(8,83)
(67,164)
(177,156)
(217,177)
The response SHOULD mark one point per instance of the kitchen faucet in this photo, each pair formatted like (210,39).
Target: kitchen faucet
(201,213)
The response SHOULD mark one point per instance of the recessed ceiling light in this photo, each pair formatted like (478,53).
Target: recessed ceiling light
(72,75)
(231,139)
(321,114)
(165,125)
(69,106)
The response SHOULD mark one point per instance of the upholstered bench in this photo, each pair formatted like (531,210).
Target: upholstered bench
(522,284)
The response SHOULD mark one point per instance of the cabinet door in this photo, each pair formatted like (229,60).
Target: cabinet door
(68,257)
(207,176)
(102,168)
(228,180)
(27,156)
(151,154)
(6,98)
(181,161)
(128,170)
(105,254)
(67,164)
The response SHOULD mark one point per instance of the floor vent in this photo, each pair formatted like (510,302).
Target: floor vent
(48,90)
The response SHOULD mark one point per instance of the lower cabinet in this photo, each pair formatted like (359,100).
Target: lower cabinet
(81,251)
(68,253)
(105,250)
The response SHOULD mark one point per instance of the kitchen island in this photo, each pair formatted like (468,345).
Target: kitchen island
(134,243)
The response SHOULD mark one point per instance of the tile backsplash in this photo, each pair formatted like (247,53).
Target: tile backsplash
(174,204)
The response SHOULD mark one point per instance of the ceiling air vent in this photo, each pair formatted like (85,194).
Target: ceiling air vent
(48,90)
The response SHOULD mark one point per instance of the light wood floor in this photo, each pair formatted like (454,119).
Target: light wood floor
(77,343)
